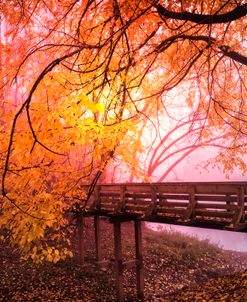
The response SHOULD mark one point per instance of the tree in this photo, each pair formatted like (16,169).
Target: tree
(167,152)
(87,75)
(168,141)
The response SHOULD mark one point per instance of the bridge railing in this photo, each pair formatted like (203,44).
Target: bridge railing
(217,203)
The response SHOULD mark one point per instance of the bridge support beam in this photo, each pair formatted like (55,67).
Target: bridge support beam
(120,265)
(137,262)
(139,259)
(118,261)
(80,233)
(97,239)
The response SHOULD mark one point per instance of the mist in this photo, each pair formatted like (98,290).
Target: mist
(191,170)
(226,240)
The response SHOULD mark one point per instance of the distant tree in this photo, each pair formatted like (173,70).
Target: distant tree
(169,151)
(168,145)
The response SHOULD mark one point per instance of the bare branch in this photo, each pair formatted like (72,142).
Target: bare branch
(239,12)
(225,49)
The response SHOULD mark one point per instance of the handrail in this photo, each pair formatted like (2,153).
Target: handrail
(213,204)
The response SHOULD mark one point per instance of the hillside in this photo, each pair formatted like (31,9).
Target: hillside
(177,268)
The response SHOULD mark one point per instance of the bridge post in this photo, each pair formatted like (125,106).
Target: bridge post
(228,201)
(241,204)
(118,261)
(139,258)
(239,216)
(189,212)
(80,232)
(97,238)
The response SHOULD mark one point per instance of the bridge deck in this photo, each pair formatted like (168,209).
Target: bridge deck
(207,204)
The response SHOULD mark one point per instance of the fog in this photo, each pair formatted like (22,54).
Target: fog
(189,170)
(192,169)
(227,240)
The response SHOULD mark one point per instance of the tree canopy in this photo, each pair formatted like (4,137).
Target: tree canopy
(79,81)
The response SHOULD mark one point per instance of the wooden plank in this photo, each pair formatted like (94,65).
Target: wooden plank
(139,257)
(216,206)
(135,214)
(217,188)
(210,188)
(109,201)
(210,213)
(198,197)
(118,261)
(173,196)
(130,207)
(223,198)
(136,195)
(190,183)
(179,188)
(201,187)
(168,216)
(139,188)
(138,201)
(109,194)
(173,204)
(172,211)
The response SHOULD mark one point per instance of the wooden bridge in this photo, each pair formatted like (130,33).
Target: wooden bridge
(218,205)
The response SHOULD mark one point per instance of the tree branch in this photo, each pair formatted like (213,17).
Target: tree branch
(237,13)
(225,49)
(26,104)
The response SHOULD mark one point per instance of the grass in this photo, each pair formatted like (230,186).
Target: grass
(181,246)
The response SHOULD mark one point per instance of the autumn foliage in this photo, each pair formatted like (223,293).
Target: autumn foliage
(79,82)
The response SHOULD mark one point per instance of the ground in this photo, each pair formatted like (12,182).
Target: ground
(177,268)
